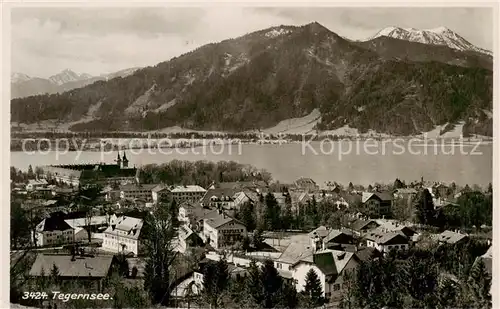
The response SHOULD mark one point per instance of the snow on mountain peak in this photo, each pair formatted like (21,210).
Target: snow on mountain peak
(276,32)
(16,77)
(435,36)
(67,76)
(438,30)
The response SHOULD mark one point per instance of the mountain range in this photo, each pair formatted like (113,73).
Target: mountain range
(393,83)
(23,85)
(437,36)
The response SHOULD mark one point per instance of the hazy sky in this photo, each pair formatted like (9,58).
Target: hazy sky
(101,40)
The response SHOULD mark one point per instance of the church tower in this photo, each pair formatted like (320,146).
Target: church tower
(118,160)
(125,160)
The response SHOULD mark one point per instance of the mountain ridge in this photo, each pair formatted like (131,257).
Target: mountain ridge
(23,85)
(435,36)
(262,78)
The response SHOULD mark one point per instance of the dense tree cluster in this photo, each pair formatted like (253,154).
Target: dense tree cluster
(447,276)
(202,173)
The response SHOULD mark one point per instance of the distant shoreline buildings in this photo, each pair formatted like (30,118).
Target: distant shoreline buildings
(106,174)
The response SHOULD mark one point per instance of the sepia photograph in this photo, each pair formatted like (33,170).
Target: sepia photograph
(229,156)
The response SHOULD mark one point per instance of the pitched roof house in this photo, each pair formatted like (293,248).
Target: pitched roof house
(450,237)
(377,204)
(219,198)
(361,226)
(331,266)
(86,267)
(221,230)
(387,241)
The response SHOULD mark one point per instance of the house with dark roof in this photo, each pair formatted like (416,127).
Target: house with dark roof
(333,268)
(367,254)
(222,231)
(346,200)
(186,238)
(54,231)
(377,204)
(305,184)
(387,241)
(219,198)
(327,238)
(395,226)
(361,226)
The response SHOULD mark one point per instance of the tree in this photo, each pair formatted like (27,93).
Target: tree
(258,239)
(312,289)
(38,172)
(168,205)
(424,208)
(350,187)
(271,281)
(272,212)
(289,297)
(479,284)
(122,267)
(453,187)
(19,225)
(42,281)
(31,175)
(490,188)
(254,284)
(88,196)
(159,232)
(397,184)
(348,300)
(475,209)
(401,209)
(247,216)
(54,274)
(245,245)
(420,276)
(288,216)
(215,282)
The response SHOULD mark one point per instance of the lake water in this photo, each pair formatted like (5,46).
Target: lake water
(343,162)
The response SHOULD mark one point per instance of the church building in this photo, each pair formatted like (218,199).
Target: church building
(101,173)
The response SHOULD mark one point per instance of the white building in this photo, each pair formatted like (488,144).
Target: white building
(219,198)
(55,231)
(241,198)
(223,231)
(185,239)
(297,247)
(123,235)
(331,266)
(35,184)
(385,242)
(181,194)
(132,191)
